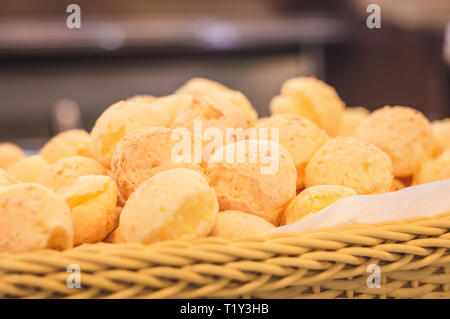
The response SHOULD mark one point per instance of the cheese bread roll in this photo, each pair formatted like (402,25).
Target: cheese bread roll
(33,217)
(92,201)
(350,162)
(64,172)
(239,100)
(301,138)
(314,199)
(29,169)
(441,134)
(236,224)
(201,86)
(174,204)
(433,169)
(312,99)
(259,178)
(147,152)
(211,112)
(119,120)
(403,133)
(66,144)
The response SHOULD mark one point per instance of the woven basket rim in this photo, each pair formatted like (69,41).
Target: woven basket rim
(314,233)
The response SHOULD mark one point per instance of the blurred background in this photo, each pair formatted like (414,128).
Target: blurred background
(53,77)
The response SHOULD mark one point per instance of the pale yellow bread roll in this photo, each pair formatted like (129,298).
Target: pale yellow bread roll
(351,118)
(29,169)
(173,104)
(7,179)
(252,183)
(239,100)
(64,172)
(10,154)
(211,112)
(314,199)
(311,98)
(120,119)
(201,86)
(92,201)
(236,224)
(301,138)
(33,217)
(441,135)
(435,169)
(66,144)
(174,204)
(350,162)
(403,133)
(145,153)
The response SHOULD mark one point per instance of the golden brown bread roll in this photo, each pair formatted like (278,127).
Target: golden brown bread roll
(350,162)
(253,185)
(145,153)
(311,98)
(403,133)
(120,119)
(67,144)
(33,217)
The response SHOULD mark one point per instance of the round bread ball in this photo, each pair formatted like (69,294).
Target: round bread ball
(211,112)
(301,138)
(29,169)
(6,179)
(33,217)
(397,185)
(239,100)
(174,204)
(236,224)
(314,199)
(435,169)
(173,104)
(201,86)
(257,180)
(351,118)
(10,154)
(64,172)
(441,134)
(353,163)
(403,133)
(145,153)
(92,201)
(66,144)
(312,99)
(119,120)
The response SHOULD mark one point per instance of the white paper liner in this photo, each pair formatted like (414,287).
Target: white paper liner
(421,200)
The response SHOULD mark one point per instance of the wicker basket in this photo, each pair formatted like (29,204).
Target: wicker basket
(413,256)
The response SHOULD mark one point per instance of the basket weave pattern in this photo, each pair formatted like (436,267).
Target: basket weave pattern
(413,255)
